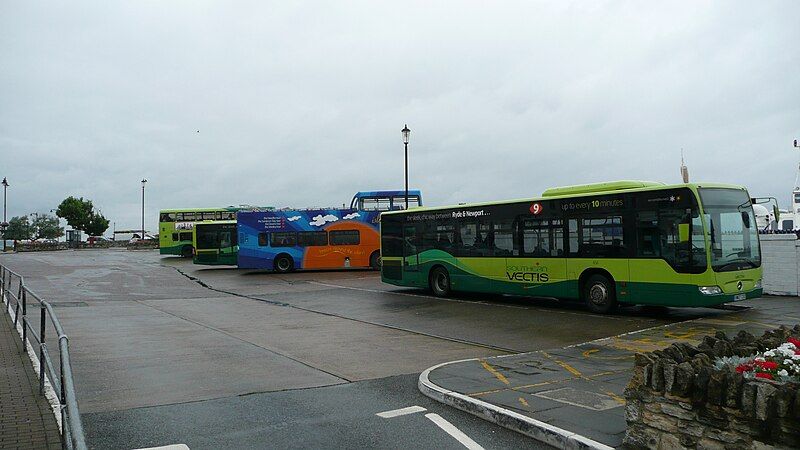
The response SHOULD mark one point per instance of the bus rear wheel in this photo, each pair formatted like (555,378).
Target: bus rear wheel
(439,282)
(598,292)
(375,260)
(284,264)
(187,251)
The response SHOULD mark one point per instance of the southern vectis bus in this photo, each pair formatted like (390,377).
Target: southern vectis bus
(628,242)
(215,243)
(289,239)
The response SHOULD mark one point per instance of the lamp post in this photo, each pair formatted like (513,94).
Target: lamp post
(5,222)
(144,181)
(406,132)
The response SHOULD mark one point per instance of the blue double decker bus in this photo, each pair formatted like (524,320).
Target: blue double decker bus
(284,240)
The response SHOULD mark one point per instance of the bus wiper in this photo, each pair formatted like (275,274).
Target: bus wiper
(738,261)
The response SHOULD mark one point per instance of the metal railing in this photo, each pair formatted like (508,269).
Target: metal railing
(18,297)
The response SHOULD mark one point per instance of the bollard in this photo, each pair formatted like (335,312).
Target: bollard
(24,320)
(42,328)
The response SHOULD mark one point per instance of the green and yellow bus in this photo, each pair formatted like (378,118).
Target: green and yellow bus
(216,243)
(175,227)
(625,242)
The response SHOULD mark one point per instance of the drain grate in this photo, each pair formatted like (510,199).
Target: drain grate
(583,399)
(68,304)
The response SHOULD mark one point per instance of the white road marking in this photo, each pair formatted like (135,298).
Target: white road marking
(448,427)
(168,447)
(400,412)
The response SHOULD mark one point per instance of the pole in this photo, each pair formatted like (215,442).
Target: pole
(406,144)
(142,210)
(5,222)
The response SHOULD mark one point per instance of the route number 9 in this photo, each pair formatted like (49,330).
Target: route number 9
(536,209)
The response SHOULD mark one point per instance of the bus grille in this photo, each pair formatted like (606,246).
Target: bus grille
(392,270)
(206,257)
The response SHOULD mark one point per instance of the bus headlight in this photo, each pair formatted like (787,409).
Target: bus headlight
(710,290)
(757,285)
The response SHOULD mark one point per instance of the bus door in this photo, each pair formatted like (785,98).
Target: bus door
(411,245)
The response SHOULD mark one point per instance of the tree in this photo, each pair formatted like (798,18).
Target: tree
(76,211)
(19,228)
(97,225)
(80,215)
(45,226)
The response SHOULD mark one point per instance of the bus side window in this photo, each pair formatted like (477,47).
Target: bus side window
(504,238)
(573,237)
(345,237)
(283,239)
(187,236)
(262,239)
(602,236)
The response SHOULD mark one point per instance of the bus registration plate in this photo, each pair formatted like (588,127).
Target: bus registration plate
(739,297)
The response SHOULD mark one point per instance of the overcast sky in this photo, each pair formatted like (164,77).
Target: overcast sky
(301,103)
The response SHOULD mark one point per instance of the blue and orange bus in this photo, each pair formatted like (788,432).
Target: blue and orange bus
(318,238)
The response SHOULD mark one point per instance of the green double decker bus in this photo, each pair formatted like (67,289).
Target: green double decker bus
(624,242)
(216,243)
(175,227)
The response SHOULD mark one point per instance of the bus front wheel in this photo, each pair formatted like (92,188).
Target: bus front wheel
(599,294)
(439,282)
(375,260)
(187,251)
(284,264)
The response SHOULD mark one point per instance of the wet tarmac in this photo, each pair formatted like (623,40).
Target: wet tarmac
(150,332)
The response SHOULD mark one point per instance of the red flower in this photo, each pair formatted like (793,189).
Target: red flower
(767,365)
(741,368)
(766,375)
(794,341)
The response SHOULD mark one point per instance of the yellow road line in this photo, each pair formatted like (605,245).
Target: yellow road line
(494,372)
(565,366)
(616,397)
(524,402)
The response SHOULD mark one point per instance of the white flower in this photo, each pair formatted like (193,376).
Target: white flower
(769,353)
(787,362)
(783,373)
(759,358)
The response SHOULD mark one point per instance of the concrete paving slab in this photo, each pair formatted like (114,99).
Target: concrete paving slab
(351,350)
(523,328)
(127,354)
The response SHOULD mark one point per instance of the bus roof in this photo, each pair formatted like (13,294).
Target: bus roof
(214,222)
(223,208)
(364,194)
(579,191)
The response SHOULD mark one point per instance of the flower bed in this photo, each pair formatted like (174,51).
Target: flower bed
(780,364)
(738,392)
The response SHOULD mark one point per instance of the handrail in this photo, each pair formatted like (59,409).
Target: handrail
(71,425)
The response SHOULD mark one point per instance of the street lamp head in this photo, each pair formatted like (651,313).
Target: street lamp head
(406,132)
(5,182)
(143,182)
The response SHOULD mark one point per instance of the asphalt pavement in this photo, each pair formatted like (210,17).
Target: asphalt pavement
(152,336)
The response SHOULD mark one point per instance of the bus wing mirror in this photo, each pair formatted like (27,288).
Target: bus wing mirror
(746,219)
(776,212)
(683,232)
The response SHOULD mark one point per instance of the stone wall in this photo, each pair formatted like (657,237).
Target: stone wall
(677,399)
(39,246)
(780,256)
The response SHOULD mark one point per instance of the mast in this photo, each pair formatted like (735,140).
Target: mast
(684,170)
